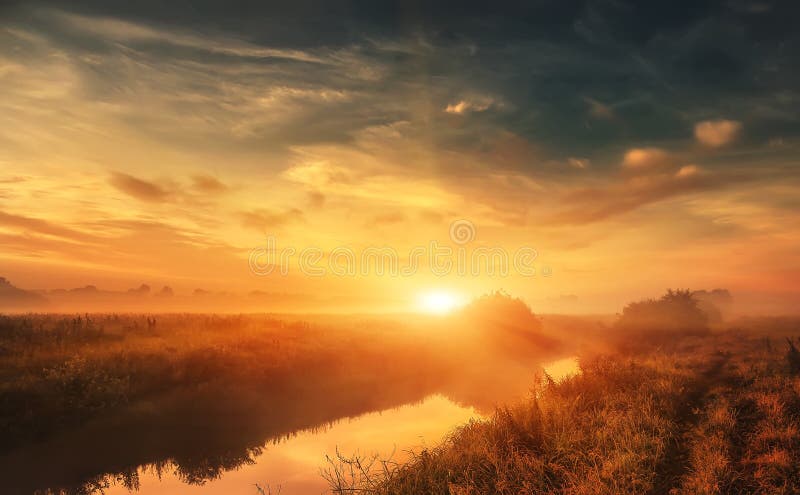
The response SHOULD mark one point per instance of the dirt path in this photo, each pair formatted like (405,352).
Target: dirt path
(675,463)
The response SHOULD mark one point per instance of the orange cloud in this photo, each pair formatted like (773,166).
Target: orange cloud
(594,205)
(646,159)
(262,220)
(208,184)
(39,226)
(476,104)
(687,171)
(316,199)
(716,133)
(138,188)
(387,218)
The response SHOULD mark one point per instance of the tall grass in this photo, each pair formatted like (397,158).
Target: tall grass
(602,431)
(709,414)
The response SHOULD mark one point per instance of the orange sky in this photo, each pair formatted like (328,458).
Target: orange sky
(137,151)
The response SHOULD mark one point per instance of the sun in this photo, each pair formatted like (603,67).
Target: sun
(439,302)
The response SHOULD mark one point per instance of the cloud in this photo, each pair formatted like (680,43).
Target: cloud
(388,218)
(138,188)
(263,220)
(370,116)
(687,171)
(653,175)
(208,184)
(599,110)
(12,180)
(476,104)
(579,163)
(316,199)
(589,205)
(126,31)
(40,226)
(716,133)
(318,174)
(646,159)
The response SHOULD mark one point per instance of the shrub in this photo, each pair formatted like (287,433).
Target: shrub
(676,312)
(500,309)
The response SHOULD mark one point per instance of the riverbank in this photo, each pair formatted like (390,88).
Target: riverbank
(706,414)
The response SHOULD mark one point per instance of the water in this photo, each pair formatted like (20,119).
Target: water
(174,448)
(294,465)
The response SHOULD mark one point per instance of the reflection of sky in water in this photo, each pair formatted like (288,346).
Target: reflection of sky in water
(295,463)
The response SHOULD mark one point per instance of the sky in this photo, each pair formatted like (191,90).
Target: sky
(632,146)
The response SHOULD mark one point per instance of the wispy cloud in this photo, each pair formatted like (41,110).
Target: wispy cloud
(469,105)
(110,28)
(264,220)
(138,188)
(208,184)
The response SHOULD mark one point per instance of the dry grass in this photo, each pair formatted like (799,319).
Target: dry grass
(58,371)
(603,431)
(711,414)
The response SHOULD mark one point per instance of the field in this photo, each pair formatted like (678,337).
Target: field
(686,406)
(718,413)
(68,383)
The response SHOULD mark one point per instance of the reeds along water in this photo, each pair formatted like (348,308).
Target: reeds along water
(204,393)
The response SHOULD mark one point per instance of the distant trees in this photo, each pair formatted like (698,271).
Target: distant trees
(13,297)
(166,291)
(142,290)
(503,324)
(676,312)
(499,308)
(714,303)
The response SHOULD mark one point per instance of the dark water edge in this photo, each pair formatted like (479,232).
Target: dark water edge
(203,432)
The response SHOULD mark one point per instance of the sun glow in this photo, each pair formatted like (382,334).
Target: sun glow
(439,302)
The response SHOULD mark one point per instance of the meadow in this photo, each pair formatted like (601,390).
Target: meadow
(667,400)
(710,413)
(204,393)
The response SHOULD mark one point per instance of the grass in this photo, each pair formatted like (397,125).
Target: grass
(59,371)
(688,412)
(201,394)
(711,414)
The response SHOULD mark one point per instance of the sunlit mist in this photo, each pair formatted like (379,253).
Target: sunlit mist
(439,302)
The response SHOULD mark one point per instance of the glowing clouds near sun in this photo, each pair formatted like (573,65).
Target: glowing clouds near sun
(642,159)
(717,133)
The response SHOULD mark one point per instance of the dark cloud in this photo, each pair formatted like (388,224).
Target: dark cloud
(573,78)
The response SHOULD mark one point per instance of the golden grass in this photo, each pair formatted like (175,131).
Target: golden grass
(713,414)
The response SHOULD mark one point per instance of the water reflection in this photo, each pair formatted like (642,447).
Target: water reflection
(295,464)
(220,439)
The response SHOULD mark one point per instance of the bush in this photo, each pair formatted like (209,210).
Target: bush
(498,309)
(676,312)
